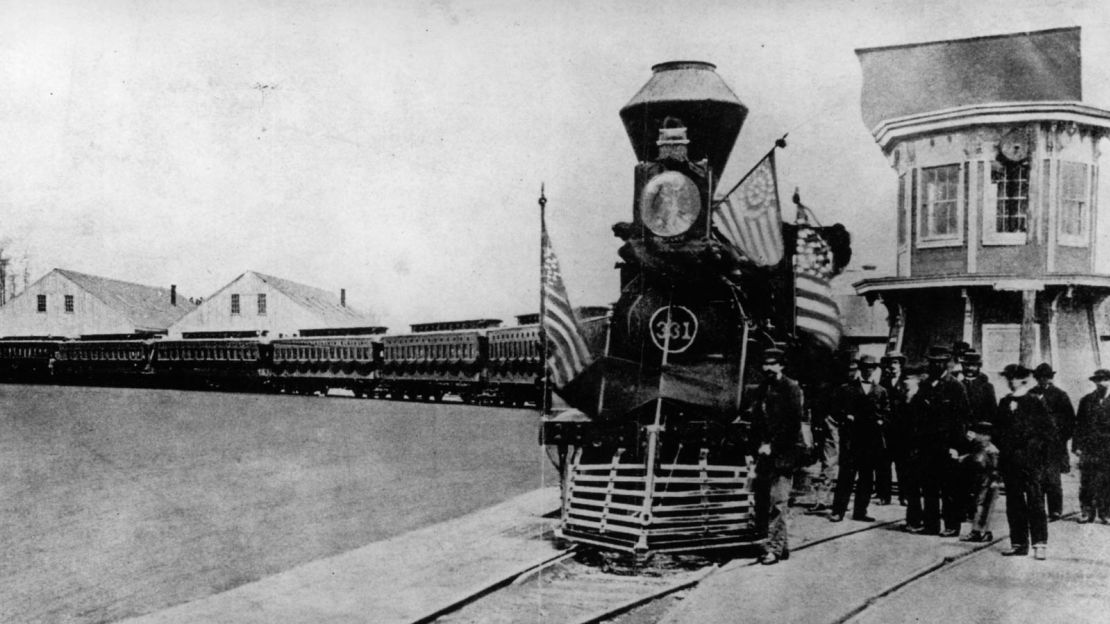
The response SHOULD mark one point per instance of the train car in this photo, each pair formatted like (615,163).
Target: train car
(320,360)
(514,367)
(28,360)
(236,364)
(435,360)
(105,360)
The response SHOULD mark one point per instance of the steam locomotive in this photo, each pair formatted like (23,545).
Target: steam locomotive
(655,455)
(476,360)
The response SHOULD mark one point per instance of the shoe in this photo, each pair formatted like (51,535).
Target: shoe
(988,537)
(1085,519)
(818,508)
(974,536)
(1016,551)
(913,529)
(1103,521)
(950,533)
(1039,552)
(769,559)
(903,502)
(862,518)
(836,517)
(1054,516)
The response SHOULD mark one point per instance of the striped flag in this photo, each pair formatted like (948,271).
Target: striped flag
(749,217)
(816,312)
(569,353)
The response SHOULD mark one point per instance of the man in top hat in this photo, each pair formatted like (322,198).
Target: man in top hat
(863,408)
(1092,445)
(980,391)
(891,380)
(1060,409)
(942,432)
(1025,436)
(777,430)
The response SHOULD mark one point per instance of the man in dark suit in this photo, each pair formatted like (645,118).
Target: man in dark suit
(942,432)
(863,408)
(980,391)
(1024,435)
(1092,445)
(908,416)
(891,381)
(776,432)
(1059,407)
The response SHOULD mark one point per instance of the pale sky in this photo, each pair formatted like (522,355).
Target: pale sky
(397,148)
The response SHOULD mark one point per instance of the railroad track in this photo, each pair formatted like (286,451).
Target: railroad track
(584,586)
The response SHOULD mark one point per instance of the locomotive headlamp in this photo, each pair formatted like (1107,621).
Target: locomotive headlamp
(669,204)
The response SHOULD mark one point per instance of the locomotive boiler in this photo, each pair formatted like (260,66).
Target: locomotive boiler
(658,453)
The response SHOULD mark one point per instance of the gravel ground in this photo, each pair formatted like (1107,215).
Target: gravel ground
(117,502)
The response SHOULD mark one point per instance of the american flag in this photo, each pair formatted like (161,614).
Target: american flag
(569,353)
(816,312)
(749,217)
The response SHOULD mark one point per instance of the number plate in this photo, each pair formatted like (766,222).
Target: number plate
(673,328)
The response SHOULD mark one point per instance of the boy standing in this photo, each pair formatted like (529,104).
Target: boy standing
(981,464)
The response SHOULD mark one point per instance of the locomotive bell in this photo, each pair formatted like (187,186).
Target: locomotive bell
(692,92)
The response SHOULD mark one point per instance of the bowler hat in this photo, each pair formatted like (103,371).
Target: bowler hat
(960,347)
(1044,370)
(938,353)
(773,355)
(982,426)
(894,356)
(1016,371)
(868,361)
(913,370)
(971,356)
(1100,375)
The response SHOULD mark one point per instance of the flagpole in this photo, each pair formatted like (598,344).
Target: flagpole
(780,142)
(543,305)
(799,215)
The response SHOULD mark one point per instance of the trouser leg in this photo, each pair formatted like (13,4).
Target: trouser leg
(909,486)
(1035,511)
(930,490)
(1087,487)
(778,514)
(883,477)
(864,485)
(1015,510)
(1101,488)
(1054,492)
(953,500)
(830,463)
(984,506)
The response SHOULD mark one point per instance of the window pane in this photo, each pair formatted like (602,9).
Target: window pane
(1011,182)
(941,212)
(235,304)
(1073,199)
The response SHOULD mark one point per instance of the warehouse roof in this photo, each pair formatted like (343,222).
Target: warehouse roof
(147,307)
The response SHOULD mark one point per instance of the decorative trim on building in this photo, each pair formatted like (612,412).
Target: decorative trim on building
(1065,113)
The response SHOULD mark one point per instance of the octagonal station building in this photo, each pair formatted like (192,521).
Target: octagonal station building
(998,214)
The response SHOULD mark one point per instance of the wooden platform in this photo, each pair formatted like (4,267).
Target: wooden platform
(399,580)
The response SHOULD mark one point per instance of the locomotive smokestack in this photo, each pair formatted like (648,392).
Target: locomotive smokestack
(173,294)
(693,93)
(343,297)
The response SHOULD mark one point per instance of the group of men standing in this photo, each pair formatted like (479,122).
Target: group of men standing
(951,443)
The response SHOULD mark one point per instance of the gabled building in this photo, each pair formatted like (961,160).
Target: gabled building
(69,304)
(259,304)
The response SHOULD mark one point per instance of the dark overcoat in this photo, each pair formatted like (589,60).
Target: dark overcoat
(1092,426)
(777,420)
(1060,409)
(864,433)
(1025,436)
